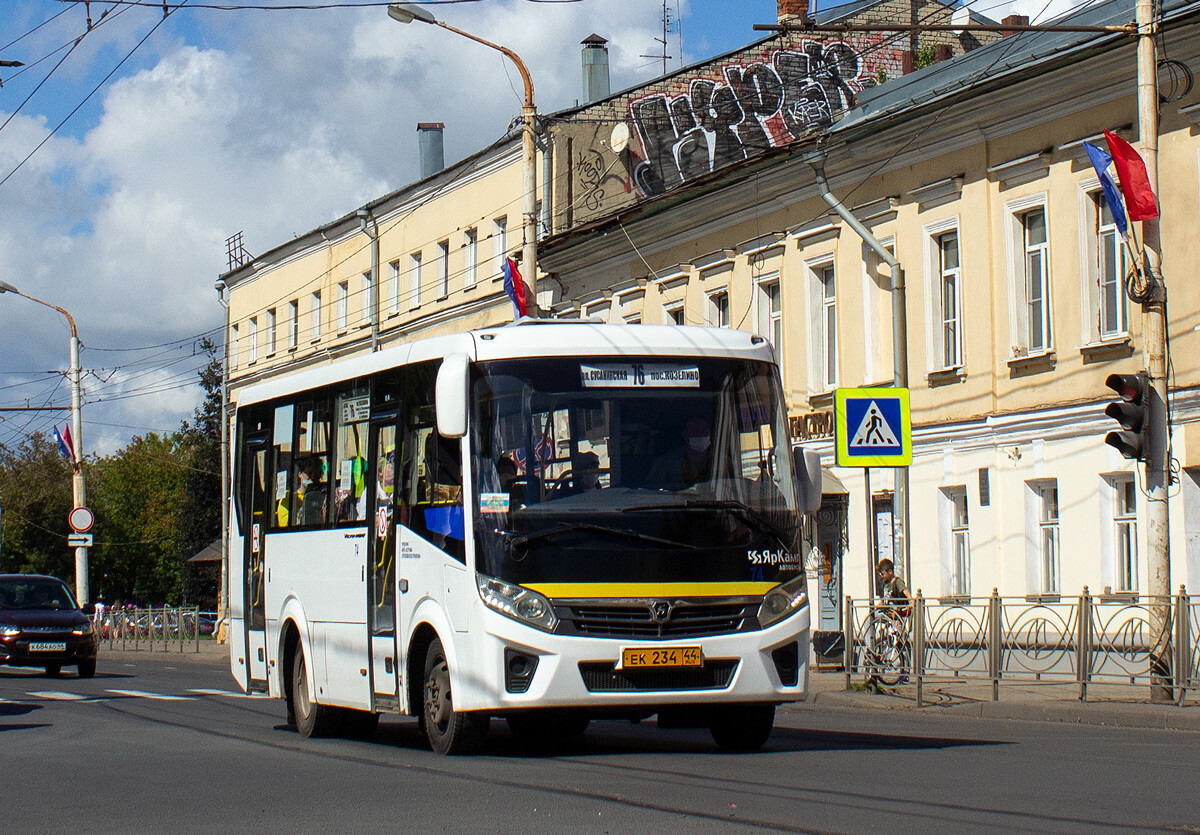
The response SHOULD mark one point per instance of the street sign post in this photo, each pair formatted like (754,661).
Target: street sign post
(872,427)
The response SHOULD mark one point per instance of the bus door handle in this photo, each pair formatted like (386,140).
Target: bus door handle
(403,586)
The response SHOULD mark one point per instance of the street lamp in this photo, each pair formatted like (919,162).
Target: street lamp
(407,14)
(78,493)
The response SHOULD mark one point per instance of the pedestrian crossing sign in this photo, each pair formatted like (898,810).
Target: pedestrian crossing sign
(872,427)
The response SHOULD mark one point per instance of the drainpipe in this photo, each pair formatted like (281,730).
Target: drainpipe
(816,159)
(372,232)
(544,143)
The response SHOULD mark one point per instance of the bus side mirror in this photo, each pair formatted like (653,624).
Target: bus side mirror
(450,394)
(807,466)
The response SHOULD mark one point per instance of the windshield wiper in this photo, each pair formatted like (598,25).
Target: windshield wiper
(743,509)
(584,526)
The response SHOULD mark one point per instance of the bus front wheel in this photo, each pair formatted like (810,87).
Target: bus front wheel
(447,731)
(312,719)
(743,727)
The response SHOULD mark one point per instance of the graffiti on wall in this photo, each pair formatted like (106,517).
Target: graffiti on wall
(596,180)
(753,107)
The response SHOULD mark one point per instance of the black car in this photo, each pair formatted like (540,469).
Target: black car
(41,625)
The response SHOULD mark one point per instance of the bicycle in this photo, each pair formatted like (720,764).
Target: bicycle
(886,650)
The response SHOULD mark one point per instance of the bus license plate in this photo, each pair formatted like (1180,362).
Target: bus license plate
(635,657)
(46,647)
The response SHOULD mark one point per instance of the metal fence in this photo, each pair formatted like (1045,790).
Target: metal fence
(1085,640)
(161,629)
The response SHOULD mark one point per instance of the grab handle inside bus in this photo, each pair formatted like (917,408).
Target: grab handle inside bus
(451,395)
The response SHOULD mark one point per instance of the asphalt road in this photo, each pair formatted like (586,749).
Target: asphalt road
(164,743)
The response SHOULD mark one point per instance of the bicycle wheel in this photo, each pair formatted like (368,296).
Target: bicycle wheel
(887,650)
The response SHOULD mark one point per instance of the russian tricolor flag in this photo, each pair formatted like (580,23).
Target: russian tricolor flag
(65,445)
(1103,164)
(515,287)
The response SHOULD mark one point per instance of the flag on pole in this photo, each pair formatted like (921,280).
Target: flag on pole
(64,442)
(515,287)
(1103,164)
(1135,182)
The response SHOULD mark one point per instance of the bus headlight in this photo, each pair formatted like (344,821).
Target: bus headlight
(781,601)
(518,602)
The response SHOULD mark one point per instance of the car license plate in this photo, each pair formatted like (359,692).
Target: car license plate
(48,647)
(635,657)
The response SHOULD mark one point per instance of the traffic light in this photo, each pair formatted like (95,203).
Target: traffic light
(1132,411)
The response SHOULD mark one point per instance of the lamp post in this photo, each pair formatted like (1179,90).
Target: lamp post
(407,14)
(78,493)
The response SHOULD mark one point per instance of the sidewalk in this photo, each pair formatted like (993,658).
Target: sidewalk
(1126,706)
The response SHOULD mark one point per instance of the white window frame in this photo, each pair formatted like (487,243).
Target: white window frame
(252,336)
(365,305)
(499,246)
(1020,256)
(341,307)
(293,324)
(272,332)
(1094,234)
(674,313)
(954,514)
(443,269)
(769,301)
(1043,536)
(470,258)
(824,273)
(940,315)
(1120,544)
(314,316)
(234,352)
(717,304)
(414,280)
(393,306)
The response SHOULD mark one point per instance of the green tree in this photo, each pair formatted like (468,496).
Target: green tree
(35,494)
(200,508)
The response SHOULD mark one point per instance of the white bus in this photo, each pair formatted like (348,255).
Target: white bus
(547,522)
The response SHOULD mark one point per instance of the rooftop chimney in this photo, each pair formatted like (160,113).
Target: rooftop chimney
(1014,20)
(793,11)
(429,145)
(595,68)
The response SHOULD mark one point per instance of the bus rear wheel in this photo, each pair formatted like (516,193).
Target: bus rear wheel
(312,719)
(446,730)
(743,727)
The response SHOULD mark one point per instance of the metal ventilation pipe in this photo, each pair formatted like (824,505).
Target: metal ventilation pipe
(431,147)
(595,69)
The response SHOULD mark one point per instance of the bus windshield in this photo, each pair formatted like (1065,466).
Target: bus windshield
(624,470)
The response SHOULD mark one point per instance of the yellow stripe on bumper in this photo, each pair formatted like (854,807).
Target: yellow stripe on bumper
(608,591)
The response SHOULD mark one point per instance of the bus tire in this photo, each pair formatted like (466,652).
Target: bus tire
(312,719)
(743,727)
(446,730)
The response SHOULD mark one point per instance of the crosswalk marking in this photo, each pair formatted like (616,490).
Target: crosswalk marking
(233,694)
(142,694)
(57,695)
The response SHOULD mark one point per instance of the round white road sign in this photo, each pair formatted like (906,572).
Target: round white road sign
(81,520)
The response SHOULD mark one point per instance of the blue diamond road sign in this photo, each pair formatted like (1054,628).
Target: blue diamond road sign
(872,427)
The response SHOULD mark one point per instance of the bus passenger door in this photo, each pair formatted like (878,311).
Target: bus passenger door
(257,497)
(381,585)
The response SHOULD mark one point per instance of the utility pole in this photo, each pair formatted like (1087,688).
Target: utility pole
(1154,352)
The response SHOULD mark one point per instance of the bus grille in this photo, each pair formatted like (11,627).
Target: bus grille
(637,620)
(602,677)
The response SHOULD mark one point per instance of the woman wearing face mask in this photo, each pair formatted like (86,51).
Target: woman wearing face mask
(687,465)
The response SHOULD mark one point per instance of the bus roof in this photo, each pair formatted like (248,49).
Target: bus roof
(528,338)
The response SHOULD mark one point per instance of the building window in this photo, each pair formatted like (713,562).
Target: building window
(293,324)
(341,307)
(272,335)
(1125,537)
(1109,270)
(314,316)
(675,315)
(718,309)
(1035,253)
(233,346)
(1048,537)
(959,539)
(253,336)
(443,269)
(828,296)
(770,313)
(499,245)
(949,299)
(365,305)
(470,257)
(414,280)
(394,287)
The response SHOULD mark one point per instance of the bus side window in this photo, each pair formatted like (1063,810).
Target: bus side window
(352,411)
(431,468)
(312,463)
(283,487)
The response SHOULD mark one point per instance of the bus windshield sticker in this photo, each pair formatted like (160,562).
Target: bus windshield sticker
(355,409)
(493,502)
(640,375)
(345,471)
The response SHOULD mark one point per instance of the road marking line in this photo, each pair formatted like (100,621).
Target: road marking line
(233,694)
(57,695)
(142,694)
